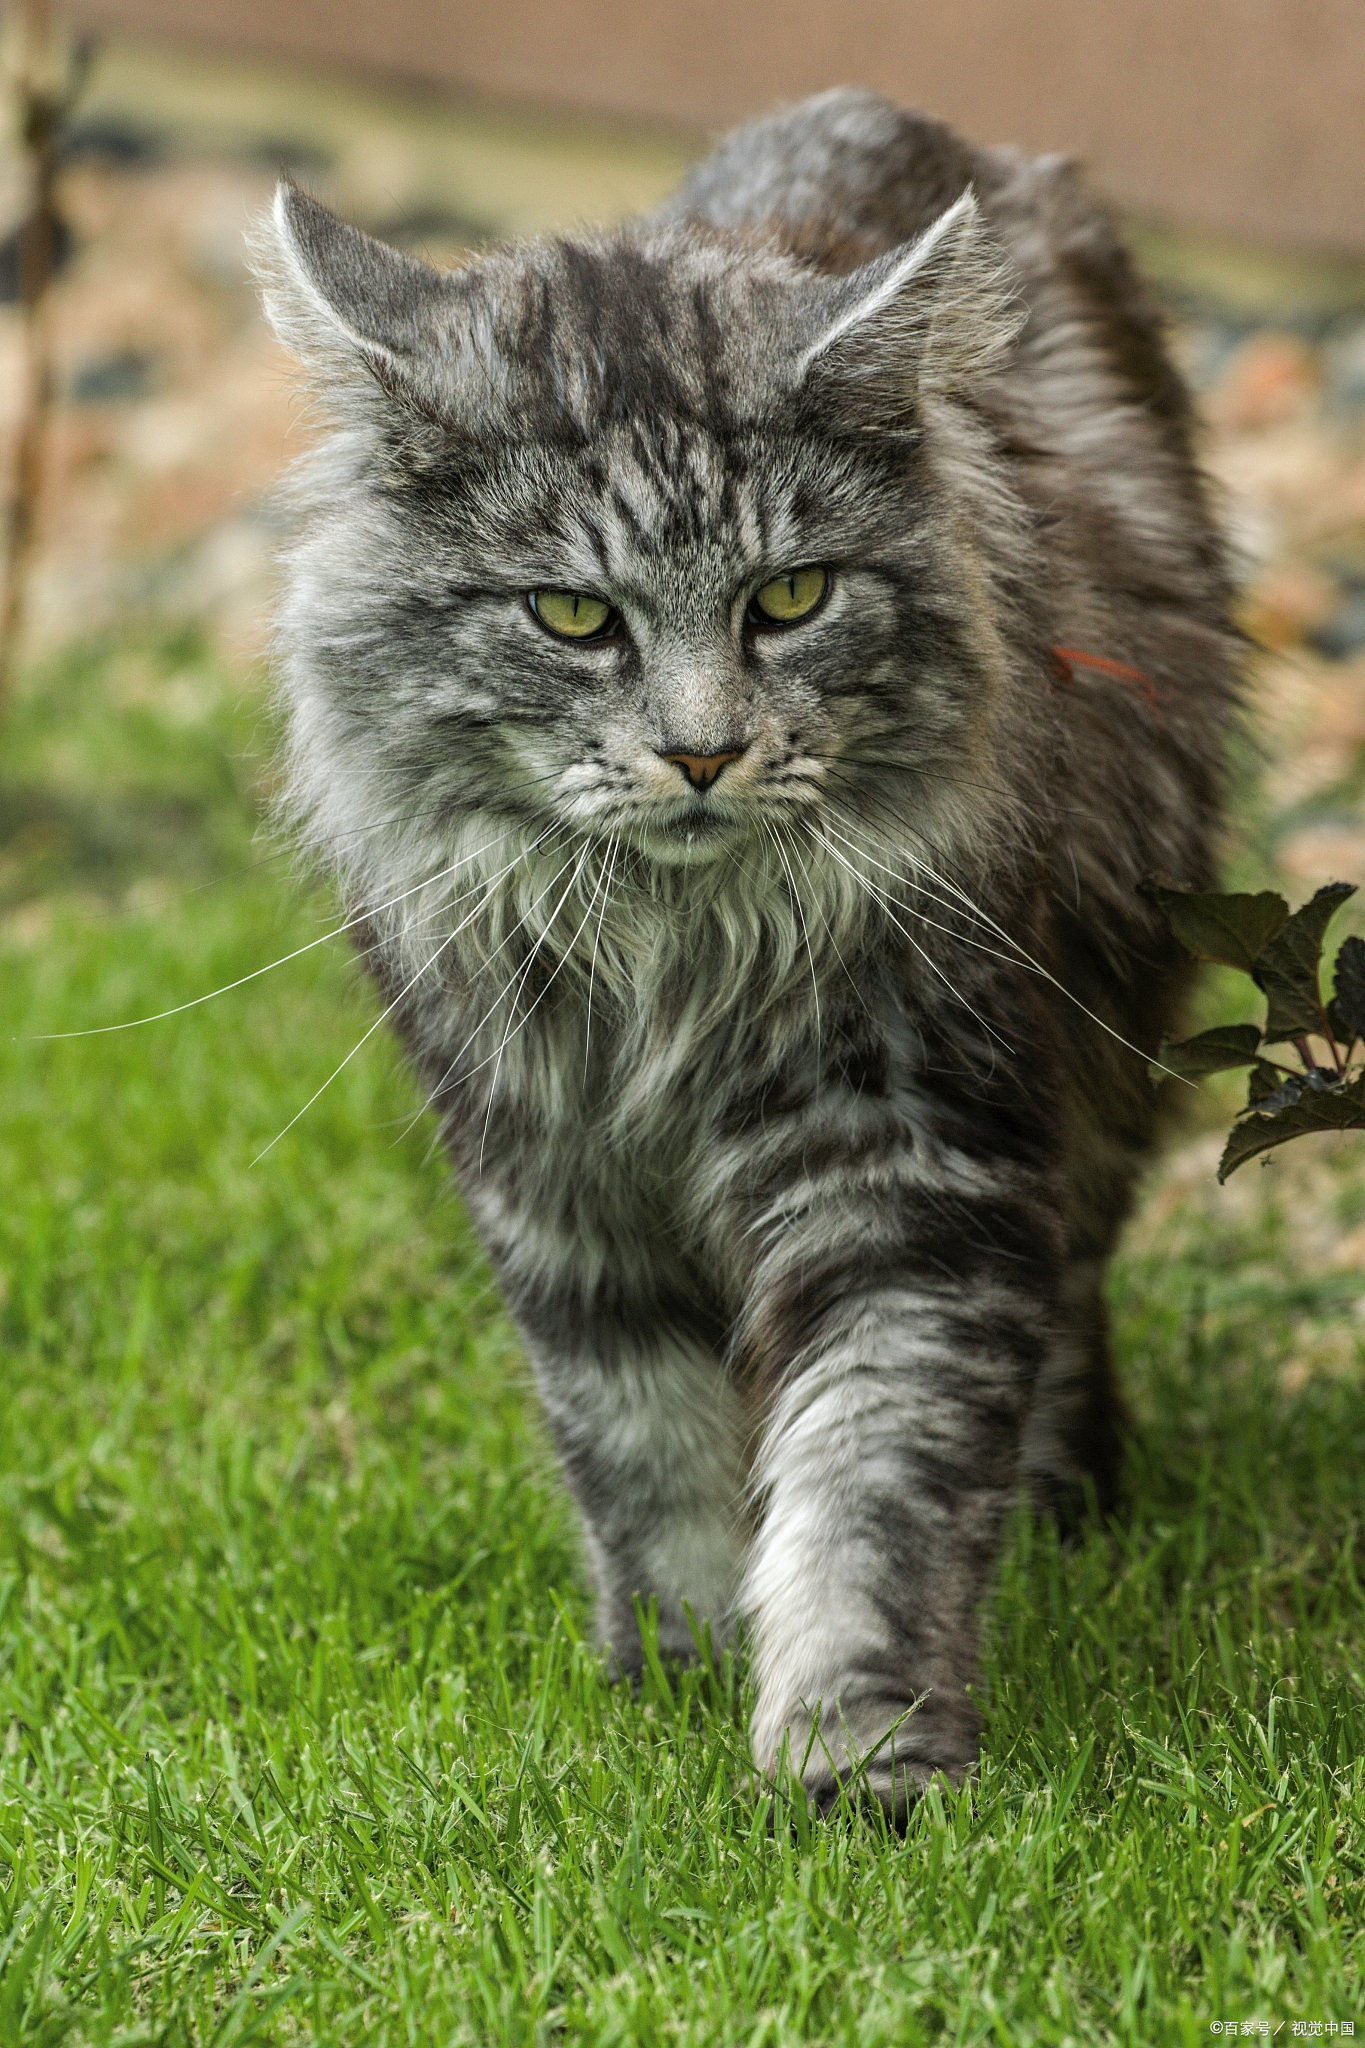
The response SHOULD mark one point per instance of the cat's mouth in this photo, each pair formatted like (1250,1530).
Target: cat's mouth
(697,833)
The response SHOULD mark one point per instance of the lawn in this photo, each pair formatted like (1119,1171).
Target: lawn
(302,1733)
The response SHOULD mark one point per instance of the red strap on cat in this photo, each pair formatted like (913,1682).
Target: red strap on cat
(1066,659)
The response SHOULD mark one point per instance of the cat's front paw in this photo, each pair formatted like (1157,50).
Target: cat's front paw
(877,1749)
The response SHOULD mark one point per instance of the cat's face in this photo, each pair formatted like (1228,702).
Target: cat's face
(615,615)
(639,537)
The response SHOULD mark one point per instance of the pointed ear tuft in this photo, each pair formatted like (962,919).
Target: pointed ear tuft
(925,321)
(342,301)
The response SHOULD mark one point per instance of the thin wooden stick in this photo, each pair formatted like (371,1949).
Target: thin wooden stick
(42,101)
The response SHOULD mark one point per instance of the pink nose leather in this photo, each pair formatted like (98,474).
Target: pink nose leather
(701,770)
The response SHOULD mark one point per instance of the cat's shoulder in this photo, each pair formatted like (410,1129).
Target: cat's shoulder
(837,178)
(848,175)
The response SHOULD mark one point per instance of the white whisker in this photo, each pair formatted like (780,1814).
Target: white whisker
(361,917)
(597,940)
(439,1089)
(805,928)
(797,855)
(509,1033)
(382,1018)
(1023,955)
(947,902)
(927,958)
(385,1014)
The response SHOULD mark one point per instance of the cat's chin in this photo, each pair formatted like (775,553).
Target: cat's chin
(694,844)
(681,854)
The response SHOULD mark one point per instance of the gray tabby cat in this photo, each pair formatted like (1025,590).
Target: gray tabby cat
(672,665)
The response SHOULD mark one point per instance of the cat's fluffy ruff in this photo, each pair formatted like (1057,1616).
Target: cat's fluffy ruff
(796,1166)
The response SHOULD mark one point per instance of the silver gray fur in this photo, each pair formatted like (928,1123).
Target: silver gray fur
(785,1109)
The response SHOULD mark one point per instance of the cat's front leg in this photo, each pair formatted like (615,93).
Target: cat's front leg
(648,1426)
(900,1327)
(649,1432)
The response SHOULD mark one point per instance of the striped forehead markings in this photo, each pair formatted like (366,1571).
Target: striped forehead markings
(702,499)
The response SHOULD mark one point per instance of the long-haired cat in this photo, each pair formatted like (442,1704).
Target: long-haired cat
(740,668)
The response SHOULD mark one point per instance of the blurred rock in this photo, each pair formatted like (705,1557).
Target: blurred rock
(114,142)
(1325,853)
(291,156)
(1342,633)
(1289,600)
(114,379)
(427,230)
(1343,359)
(1339,705)
(1270,379)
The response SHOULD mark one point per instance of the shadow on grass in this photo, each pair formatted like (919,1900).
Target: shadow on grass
(125,761)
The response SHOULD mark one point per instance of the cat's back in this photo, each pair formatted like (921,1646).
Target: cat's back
(837,179)
(846,176)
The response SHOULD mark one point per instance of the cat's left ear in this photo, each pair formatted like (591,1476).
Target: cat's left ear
(368,318)
(926,321)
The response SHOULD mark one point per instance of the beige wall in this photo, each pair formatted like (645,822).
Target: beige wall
(1238,115)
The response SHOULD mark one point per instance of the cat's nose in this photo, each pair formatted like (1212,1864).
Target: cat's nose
(701,770)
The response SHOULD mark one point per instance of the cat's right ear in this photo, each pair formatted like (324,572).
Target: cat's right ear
(357,312)
(924,321)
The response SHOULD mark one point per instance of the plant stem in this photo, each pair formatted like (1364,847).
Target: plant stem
(1301,1045)
(1338,1057)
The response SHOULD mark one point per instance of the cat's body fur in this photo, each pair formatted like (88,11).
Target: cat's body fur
(798,1177)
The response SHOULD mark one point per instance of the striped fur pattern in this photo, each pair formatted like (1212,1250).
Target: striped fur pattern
(792,1112)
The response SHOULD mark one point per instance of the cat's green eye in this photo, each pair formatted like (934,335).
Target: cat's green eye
(792,596)
(572,614)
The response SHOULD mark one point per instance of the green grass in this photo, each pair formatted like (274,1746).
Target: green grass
(301,1731)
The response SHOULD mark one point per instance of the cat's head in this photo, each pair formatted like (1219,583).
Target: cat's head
(658,535)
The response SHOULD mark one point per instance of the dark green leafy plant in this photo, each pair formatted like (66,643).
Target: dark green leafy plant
(1282,952)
